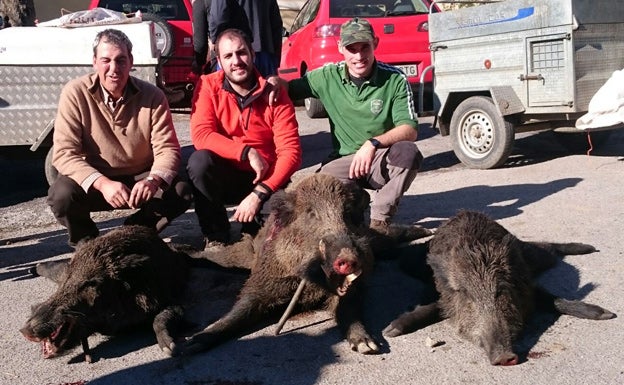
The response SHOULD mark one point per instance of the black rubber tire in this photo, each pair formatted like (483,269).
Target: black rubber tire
(480,136)
(51,173)
(314,108)
(164,34)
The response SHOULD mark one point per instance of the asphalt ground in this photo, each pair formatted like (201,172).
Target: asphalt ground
(542,193)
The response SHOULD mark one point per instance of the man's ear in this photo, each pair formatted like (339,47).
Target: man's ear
(340,48)
(375,42)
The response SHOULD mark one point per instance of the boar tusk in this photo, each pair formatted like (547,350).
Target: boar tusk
(290,307)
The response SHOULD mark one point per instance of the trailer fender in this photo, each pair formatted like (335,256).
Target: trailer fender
(506,100)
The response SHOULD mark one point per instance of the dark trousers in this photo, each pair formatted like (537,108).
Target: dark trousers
(216,183)
(72,206)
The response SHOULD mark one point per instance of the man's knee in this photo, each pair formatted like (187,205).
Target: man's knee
(405,155)
(199,163)
(62,193)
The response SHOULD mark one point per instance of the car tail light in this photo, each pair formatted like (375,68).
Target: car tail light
(327,30)
(423,27)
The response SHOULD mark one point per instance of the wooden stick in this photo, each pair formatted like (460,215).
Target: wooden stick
(290,307)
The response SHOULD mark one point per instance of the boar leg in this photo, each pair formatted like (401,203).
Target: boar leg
(348,319)
(579,309)
(420,317)
(247,311)
(87,351)
(165,325)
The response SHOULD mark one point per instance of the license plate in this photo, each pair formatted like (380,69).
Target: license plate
(410,70)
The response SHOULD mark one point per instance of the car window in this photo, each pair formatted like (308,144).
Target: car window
(377,8)
(307,13)
(168,10)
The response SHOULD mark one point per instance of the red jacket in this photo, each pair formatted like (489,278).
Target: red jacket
(219,125)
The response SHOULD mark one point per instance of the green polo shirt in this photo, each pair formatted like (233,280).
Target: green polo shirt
(357,114)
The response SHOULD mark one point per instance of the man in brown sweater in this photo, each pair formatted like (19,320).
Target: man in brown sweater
(115,146)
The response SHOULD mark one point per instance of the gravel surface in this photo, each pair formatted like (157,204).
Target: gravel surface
(542,193)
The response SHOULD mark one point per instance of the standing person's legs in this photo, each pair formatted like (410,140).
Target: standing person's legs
(72,208)
(216,183)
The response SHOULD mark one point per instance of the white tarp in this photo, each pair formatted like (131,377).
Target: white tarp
(606,108)
(91,17)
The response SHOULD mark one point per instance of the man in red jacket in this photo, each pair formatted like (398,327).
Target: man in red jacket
(246,149)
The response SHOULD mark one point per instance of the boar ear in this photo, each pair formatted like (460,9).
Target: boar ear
(283,207)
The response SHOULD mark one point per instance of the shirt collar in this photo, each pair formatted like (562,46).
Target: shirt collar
(372,79)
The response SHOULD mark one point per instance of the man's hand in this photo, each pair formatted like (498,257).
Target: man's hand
(142,191)
(362,161)
(258,164)
(276,87)
(248,208)
(115,193)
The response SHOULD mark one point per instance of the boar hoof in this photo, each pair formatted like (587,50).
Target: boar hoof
(365,346)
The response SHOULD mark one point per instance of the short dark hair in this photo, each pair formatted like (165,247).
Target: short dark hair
(233,32)
(112,36)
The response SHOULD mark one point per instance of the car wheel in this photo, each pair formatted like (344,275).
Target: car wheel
(164,33)
(51,173)
(579,143)
(480,136)
(314,108)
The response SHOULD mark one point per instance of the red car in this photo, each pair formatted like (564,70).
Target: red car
(174,32)
(401,25)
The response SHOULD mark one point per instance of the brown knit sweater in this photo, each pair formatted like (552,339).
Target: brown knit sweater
(90,140)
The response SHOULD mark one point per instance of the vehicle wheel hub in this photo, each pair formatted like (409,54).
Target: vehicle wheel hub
(477,133)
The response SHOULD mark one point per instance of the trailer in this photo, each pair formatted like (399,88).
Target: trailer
(521,65)
(35,64)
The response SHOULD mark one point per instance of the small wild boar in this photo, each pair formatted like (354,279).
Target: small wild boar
(311,233)
(125,278)
(485,278)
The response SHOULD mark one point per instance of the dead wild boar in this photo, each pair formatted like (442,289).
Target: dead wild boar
(311,233)
(485,278)
(125,278)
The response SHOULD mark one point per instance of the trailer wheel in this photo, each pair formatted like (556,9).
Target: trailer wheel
(164,33)
(480,136)
(314,108)
(51,173)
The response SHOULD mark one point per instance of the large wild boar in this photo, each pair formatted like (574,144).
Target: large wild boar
(311,233)
(485,277)
(125,278)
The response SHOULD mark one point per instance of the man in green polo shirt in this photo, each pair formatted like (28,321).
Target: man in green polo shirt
(372,120)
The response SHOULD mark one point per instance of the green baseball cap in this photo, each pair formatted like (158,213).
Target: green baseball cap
(356,31)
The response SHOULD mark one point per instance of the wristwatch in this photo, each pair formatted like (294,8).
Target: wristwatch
(375,142)
(150,179)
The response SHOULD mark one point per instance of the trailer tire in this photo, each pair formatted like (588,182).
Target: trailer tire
(51,173)
(314,108)
(164,33)
(480,136)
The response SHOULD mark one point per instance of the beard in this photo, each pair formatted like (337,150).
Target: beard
(242,76)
